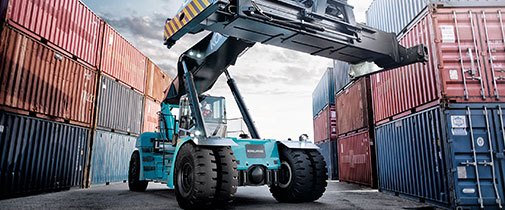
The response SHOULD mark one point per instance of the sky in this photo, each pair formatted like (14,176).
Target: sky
(276,83)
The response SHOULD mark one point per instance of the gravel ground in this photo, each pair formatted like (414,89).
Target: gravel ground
(116,196)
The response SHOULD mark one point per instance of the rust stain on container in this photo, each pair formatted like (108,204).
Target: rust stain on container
(121,60)
(37,79)
(325,128)
(355,159)
(65,24)
(151,109)
(156,82)
(353,106)
(465,65)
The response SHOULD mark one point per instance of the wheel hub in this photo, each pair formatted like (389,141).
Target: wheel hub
(185,179)
(285,175)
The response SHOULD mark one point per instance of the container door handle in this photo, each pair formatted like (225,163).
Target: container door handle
(472,63)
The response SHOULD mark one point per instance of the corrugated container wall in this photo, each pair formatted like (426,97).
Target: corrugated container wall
(355,159)
(110,157)
(65,24)
(465,63)
(40,156)
(449,156)
(156,82)
(325,128)
(342,77)
(324,93)
(353,107)
(151,109)
(37,79)
(329,152)
(119,107)
(393,15)
(122,61)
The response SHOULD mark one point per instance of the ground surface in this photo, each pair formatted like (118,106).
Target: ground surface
(116,196)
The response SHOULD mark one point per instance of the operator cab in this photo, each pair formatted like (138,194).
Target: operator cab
(213,113)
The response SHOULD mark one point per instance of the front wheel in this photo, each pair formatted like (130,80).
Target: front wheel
(134,174)
(302,176)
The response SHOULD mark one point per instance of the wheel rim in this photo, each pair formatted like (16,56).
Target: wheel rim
(185,179)
(285,175)
(133,170)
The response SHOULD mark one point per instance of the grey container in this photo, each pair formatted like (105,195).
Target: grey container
(394,15)
(119,107)
(342,78)
(39,155)
(110,157)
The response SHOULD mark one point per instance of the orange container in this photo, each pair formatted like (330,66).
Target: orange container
(151,109)
(156,82)
(36,79)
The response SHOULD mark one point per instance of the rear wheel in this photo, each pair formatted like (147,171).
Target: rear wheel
(134,182)
(195,176)
(302,176)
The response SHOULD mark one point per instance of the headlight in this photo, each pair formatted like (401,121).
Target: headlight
(198,133)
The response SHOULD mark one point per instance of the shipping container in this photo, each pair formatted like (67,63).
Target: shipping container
(324,93)
(110,157)
(65,24)
(39,155)
(393,15)
(156,82)
(342,77)
(119,107)
(36,79)
(329,151)
(325,128)
(151,111)
(356,154)
(121,60)
(451,156)
(465,63)
(353,107)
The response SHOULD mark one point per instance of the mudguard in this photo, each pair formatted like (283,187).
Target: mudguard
(299,144)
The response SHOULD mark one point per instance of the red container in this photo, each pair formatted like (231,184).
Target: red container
(355,159)
(325,128)
(122,61)
(38,80)
(156,82)
(66,24)
(461,41)
(151,109)
(353,112)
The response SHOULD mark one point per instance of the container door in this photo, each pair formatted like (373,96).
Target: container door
(459,52)
(473,147)
(499,117)
(493,34)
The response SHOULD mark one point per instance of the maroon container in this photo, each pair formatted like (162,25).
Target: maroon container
(156,82)
(151,110)
(353,112)
(65,24)
(325,128)
(36,79)
(466,61)
(355,159)
(122,61)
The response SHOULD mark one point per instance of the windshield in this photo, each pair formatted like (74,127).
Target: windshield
(213,113)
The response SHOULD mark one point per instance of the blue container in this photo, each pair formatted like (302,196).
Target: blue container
(432,155)
(329,152)
(392,15)
(342,78)
(39,155)
(110,157)
(324,94)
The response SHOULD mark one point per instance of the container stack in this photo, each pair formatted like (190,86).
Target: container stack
(325,115)
(439,126)
(356,151)
(72,98)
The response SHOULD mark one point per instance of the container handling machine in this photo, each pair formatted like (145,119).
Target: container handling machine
(192,154)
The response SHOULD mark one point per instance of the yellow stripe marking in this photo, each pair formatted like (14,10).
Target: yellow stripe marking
(192,10)
(173,27)
(200,8)
(177,23)
(169,29)
(206,3)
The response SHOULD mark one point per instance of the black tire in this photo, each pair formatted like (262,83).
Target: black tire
(134,184)
(227,176)
(300,177)
(195,177)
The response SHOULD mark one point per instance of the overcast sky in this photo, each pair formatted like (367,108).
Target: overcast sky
(276,83)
